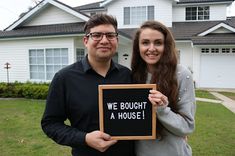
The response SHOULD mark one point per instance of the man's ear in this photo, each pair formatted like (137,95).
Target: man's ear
(85,40)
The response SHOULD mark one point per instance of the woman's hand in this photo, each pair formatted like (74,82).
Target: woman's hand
(157,98)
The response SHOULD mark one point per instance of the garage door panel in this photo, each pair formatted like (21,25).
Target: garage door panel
(217,71)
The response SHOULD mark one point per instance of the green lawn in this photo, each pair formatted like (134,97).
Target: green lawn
(229,94)
(215,131)
(21,133)
(204,94)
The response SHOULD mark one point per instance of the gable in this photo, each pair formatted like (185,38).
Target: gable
(219,28)
(42,7)
(51,15)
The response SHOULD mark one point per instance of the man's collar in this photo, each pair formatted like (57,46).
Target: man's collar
(86,65)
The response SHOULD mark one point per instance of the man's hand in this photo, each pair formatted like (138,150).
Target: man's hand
(99,140)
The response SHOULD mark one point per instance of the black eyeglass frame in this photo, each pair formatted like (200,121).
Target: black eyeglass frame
(113,36)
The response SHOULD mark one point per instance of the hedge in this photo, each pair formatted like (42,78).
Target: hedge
(24,90)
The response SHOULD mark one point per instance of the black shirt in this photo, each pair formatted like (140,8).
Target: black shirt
(73,95)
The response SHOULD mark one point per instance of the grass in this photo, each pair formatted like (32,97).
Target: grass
(229,94)
(204,94)
(215,131)
(21,133)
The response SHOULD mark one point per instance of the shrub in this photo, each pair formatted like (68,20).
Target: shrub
(24,90)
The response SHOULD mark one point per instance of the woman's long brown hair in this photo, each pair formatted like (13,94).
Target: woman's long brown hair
(165,69)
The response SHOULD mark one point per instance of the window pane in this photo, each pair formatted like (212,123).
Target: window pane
(80,54)
(50,68)
(56,52)
(33,68)
(150,12)
(64,52)
(32,53)
(41,76)
(40,60)
(57,60)
(49,52)
(49,60)
(126,15)
(41,68)
(50,76)
(33,75)
(57,68)
(32,60)
(40,53)
(64,60)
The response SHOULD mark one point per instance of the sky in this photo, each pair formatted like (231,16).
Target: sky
(11,9)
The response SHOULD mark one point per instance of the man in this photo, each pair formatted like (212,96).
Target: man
(73,94)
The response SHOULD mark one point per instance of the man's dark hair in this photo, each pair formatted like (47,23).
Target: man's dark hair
(99,19)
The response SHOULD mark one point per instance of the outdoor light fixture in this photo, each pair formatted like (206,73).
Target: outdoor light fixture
(125,56)
(7,67)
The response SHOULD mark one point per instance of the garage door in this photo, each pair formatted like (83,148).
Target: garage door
(217,71)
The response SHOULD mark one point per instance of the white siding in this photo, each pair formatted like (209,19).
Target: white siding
(218,12)
(178,14)
(52,15)
(163,10)
(186,54)
(124,49)
(196,65)
(16,52)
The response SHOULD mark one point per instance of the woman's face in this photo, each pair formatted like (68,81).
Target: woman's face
(151,44)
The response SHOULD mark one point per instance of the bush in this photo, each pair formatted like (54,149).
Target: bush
(24,90)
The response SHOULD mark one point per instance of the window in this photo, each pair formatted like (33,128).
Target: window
(36,63)
(205,50)
(233,50)
(80,54)
(137,15)
(45,63)
(225,50)
(197,13)
(214,50)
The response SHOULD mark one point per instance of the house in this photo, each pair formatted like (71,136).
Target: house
(49,37)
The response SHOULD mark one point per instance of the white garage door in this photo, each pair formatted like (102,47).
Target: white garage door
(217,71)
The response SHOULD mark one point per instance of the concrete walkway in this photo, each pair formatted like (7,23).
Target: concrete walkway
(225,101)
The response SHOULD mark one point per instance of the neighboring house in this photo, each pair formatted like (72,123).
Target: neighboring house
(50,36)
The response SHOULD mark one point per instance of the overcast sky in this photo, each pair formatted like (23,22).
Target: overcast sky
(11,9)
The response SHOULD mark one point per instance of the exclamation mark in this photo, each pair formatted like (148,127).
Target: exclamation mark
(143,114)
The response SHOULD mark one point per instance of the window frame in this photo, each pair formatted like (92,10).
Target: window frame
(53,59)
(197,13)
(130,14)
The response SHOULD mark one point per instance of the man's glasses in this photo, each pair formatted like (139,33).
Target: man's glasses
(97,36)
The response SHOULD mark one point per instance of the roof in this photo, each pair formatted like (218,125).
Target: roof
(90,6)
(44,30)
(191,30)
(202,1)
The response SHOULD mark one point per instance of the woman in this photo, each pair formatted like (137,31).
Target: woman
(154,60)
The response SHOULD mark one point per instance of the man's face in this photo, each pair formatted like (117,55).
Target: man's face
(104,48)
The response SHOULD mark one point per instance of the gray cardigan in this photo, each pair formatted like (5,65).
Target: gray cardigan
(176,125)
